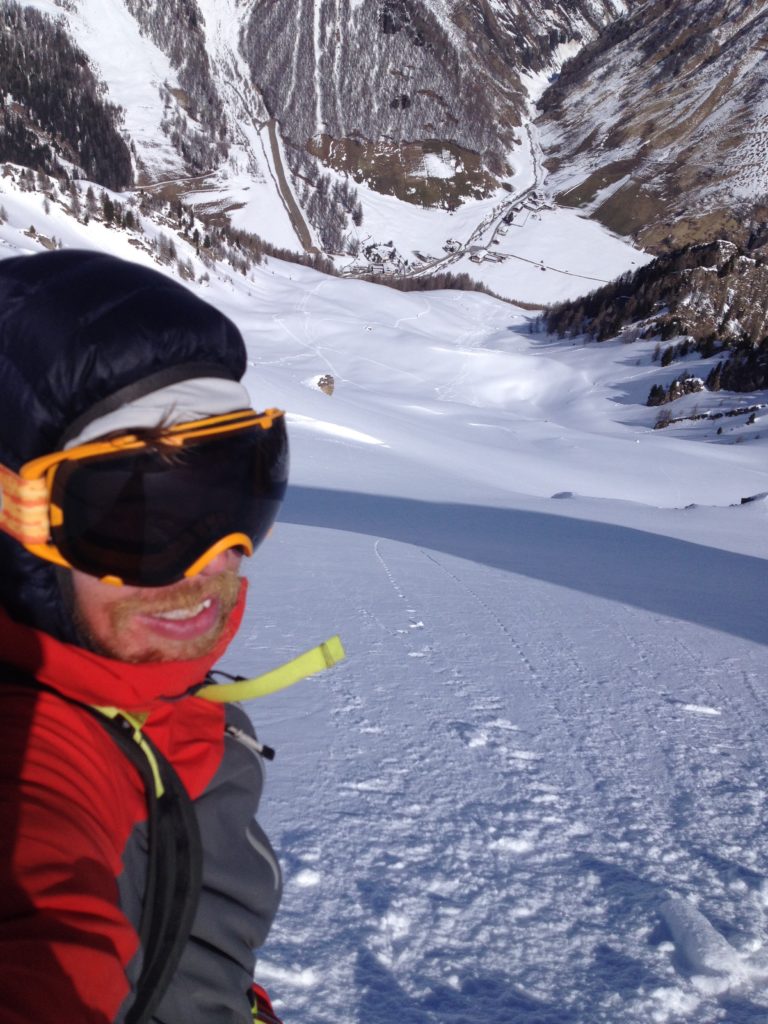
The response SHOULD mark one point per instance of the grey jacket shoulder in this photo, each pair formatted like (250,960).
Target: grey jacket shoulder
(241,890)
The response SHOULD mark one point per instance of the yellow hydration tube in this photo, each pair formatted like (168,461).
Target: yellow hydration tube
(324,656)
(136,721)
(319,658)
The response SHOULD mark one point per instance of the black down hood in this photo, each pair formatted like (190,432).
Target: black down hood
(81,333)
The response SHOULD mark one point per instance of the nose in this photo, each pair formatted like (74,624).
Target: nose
(225,561)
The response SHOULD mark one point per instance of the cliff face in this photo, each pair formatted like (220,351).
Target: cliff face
(658,127)
(422,98)
(706,298)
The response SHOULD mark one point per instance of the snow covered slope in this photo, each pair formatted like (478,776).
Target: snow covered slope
(227,108)
(535,792)
(395,136)
(553,719)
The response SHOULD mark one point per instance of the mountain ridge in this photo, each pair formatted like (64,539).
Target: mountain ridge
(265,116)
(685,163)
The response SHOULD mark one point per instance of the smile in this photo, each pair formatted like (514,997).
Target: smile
(182,614)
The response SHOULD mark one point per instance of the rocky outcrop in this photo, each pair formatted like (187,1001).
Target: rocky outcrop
(712,293)
(709,298)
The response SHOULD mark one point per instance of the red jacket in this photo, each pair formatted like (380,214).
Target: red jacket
(72,845)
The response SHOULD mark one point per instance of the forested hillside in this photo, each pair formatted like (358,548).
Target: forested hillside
(706,298)
(197,127)
(54,111)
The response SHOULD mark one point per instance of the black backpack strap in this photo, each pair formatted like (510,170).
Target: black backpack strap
(174,858)
(174,866)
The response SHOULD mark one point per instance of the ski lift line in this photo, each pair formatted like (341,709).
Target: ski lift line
(557,270)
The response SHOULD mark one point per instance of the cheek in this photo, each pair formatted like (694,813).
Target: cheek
(96,603)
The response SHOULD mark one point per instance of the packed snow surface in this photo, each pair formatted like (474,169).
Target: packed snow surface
(536,789)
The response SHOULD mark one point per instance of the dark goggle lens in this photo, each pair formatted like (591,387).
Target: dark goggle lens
(147,516)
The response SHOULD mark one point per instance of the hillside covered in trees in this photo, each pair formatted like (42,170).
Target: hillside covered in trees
(54,112)
(709,298)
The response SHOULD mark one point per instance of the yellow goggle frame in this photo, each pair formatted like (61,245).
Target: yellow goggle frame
(27,513)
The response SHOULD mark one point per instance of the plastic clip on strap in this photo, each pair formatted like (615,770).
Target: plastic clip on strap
(323,656)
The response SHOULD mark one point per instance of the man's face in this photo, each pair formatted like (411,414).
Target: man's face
(140,624)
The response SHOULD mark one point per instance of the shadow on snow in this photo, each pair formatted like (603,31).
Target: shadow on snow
(675,578)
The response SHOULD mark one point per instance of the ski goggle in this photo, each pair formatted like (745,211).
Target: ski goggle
(149,511)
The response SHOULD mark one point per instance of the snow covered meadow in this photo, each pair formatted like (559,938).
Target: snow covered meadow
(535,791)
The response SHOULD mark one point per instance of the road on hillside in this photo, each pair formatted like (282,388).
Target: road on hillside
(276,170)
(286,194)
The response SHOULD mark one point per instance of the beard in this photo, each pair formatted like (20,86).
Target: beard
(224,588)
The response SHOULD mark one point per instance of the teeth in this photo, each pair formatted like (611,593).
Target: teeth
(179,614)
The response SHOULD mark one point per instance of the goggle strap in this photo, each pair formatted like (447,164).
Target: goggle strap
(324,656)
(180,434)
(23,507)
(138,389)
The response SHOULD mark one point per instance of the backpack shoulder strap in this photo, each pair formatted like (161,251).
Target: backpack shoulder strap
(174,865)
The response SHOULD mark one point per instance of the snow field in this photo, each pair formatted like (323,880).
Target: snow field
(551,721)
(549,737)
(496,801)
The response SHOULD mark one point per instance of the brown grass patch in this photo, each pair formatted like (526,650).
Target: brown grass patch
(584,193)
(396,169)
(629,209)
(674,234)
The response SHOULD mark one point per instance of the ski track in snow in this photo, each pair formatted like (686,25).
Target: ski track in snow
(514,822)
(502,823)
